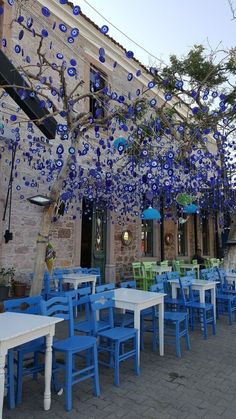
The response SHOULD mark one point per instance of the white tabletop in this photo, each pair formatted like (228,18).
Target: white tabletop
(13,325)
(195,282)
(78,276)
(134,296)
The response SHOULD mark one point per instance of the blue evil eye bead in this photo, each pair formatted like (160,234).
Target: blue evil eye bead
(59,162)
(60,128)
(129,54)
(114,64)
(76,10)
(151,84)
(17,49)
(179,84)
(44,33)
(222,96)
(195,110)
(60,56)
(29,22)
(1,10)
(104,29)
(138,92)
(154,187)
(138,73)
(154,163)
(45,12)
(73,62)
(121,99)
(63,1)
(13,117)
(74,32)
(62,27)
(102,59)
(214,94)
(71,71)
(4,42)
(114,96)
(168,96)
(130,77)
(18,188)
(21,34)
(144,153)
(72,166)
(70,40)
(71,150)
(10,2)
(60,149)
(20,19)
(171,155)
(101,51)
(153,102)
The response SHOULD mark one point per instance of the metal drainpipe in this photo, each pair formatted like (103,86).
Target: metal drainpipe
(195,232)
(162,228)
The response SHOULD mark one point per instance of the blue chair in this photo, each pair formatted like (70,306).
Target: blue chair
(172,275)
(113,340)
(201,312)
(10,380)
(175,325)
(105,287)
(74,345)
(128,284)
(97,272)
(30,305)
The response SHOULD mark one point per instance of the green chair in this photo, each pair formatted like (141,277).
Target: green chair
(138,274)
(149,275)
(194,262)
(164,263)
(176,266)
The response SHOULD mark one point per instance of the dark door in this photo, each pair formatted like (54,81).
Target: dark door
(93,241)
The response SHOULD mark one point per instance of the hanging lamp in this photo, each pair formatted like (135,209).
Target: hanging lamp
(151,214)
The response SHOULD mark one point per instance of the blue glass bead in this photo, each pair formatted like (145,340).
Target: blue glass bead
(151,84)
(138,73)
(74,32)
(63,1)
(153,102)
(104,29)
(73,62)
(17,49)
(59,162)
(102,59)
(20,19)
(129,54)
(101,51)
(4,42)
(71,71)
(44,33)
(45,12)
(71,150)
(76,10)
(62,27)
(60,56)
(21,34)
(10,2)
(29,22)
(130,76)
(1,10)
(70,40)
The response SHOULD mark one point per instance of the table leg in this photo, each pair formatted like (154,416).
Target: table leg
(137,326)
(213,300)
(173,290)
(2,378)
(48,372)
(94,287)
(161,328)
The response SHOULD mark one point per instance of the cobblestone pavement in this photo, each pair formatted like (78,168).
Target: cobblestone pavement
(201,384)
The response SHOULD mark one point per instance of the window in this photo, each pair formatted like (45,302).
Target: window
(182,240)
(98,81)
(147,238)
(205,234)
(1,22)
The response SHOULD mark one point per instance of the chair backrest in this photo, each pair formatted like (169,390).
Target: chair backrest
(160,278)
(79,270)
(147,270)
(81,299)
(157,287)
(99,302)
(60,307)
(176,265)
(191,273)
(194,261)
(105,287)
(186,282)
(29,305)
(164,263)
(172,275)
(97,272)
(137,270)
(128,284)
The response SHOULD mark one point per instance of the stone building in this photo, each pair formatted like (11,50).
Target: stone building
(92,238)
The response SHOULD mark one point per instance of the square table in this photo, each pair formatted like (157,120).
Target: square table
(19,328)
(136,301)
(78,279)
(199,285)
(159,269)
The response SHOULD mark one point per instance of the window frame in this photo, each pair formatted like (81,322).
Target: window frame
(92,101)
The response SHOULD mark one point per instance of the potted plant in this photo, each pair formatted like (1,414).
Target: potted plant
(19,287)
(6,279)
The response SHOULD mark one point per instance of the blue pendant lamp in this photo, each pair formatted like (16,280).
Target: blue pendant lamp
(190,209)
(151,214)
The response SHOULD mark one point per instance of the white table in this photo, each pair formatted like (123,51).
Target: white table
(78,279)
(18,328)
(137,300)
(200,286)
(159,269)
(191,266)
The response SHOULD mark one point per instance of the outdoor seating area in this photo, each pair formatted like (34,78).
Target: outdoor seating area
(107,326)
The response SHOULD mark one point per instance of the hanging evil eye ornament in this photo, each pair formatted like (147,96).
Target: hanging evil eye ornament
(153,102)
(71,71)
(21,34)
(60,149)
(76,10)
(29,22)
(151,84)
(120,142)
(17,49)
(104,29)
(20,19)
(73,62)
(10,2)
(62,27)
(102,59)
(71,150)
(168,96)
(44,33)
(70,40)
(74,32)
(4,42)
(45,12)
(59,163)
(129,54)
(130,76)
(60,56)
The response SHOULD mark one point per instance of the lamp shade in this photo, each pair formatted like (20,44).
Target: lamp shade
(190,209)
(151,214)
(41,200)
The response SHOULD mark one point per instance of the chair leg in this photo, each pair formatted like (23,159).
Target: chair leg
(19,385)
(96,375)
(10,373)
(68,385)
(230,312)
(187,340)
(204,325)
(177,340)
(136,366)
(117,363)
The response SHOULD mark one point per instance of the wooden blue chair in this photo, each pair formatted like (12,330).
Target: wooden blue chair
(23,353)
(105,287)
(113,340)
(97,272)
(74,345)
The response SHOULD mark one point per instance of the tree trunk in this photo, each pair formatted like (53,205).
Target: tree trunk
(42,241)
(230,257)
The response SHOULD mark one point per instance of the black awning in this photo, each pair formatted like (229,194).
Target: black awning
(9,75)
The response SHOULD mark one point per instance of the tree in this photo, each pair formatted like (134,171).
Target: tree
(170,137)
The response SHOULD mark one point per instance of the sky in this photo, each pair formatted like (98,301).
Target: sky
(165,27)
